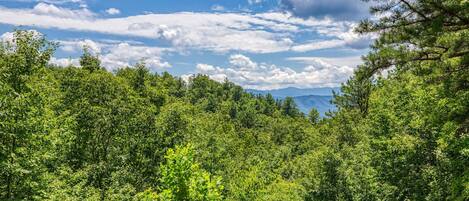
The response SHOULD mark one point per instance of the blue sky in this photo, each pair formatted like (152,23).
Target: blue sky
(259,44)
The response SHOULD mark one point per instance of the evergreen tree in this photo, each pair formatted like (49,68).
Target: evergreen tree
(88,61)
(313,116)
(289,107)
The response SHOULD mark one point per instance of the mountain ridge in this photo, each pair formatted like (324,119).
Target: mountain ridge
(294,91)
(321,103)
(306,98)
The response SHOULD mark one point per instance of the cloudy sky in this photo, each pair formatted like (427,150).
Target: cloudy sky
(259,44)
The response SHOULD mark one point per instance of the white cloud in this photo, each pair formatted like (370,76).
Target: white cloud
(264,76)
(78,45)
(341,35)
(205,68)
(114,54)
(318,45)
(345,32)
(113,11)
(242,62)
(52,10)
(218,32)
(351,61)
(64,62)
(124,54)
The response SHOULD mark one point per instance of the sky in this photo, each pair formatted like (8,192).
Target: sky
(258,44)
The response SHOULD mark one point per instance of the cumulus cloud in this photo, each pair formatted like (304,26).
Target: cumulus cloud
(64,62)
(218,32)
(115,54)
(113,11)
(340,36)
(351,39)
(124,54)
(249,74)
(242,62)
(78,45)
(52,10)
(338,9)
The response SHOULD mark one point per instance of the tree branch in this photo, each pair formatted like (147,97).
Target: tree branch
(415,10)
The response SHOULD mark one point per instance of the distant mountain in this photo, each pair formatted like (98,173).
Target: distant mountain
(306,99)
(292,91)
(321,103)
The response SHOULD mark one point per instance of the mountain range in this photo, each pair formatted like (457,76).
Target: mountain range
(319,98)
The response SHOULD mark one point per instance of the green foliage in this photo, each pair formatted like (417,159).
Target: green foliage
(289,108)
(355,92)
(408,116)
(313,116)
(89,62)
(282,190)
(147,195)
(183,179)
(20,58)
(400,132)
(25,109)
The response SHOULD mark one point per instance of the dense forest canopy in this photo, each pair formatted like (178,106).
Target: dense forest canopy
(82,133)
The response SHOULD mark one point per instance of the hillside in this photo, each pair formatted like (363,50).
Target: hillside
(321,103)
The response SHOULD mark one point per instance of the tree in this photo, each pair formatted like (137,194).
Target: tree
(313,116)
(24,115)
(354,94)
(270,105)
(289,107)
(140,77)
(418,32)
(425,42)
(25,55)
(89,61)
(183,179)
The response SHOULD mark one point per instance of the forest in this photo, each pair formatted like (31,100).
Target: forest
(400,131)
